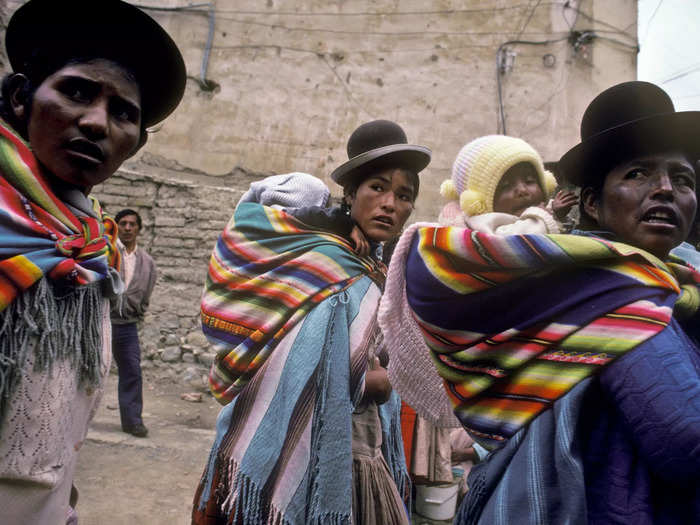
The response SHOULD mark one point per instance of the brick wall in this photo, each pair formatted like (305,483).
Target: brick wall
(181,222)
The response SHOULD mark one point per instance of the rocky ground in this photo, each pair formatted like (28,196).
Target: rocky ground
(127,480)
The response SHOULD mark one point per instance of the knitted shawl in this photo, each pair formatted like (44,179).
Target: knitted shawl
(267,271)
(42,240)
(515,322)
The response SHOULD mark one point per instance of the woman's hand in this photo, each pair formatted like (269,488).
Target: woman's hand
(377,386)
(361,243)
(562,203)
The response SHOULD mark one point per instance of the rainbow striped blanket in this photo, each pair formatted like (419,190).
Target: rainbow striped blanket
(39,235)
(515,322)
(268,270)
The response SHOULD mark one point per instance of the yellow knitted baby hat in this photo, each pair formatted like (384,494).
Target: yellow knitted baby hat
(479,166)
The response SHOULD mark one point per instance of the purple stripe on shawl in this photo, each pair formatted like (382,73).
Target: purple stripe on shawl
(570,296)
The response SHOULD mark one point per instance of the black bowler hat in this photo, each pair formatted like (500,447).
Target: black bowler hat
(376,145)
(624,121)
(56,30)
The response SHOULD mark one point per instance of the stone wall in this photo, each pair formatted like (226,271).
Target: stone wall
(181,222)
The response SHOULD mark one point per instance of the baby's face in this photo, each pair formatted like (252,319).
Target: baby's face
(518,189)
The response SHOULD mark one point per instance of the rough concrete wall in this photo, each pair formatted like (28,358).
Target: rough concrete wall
(181,224)
(288,80)
(296,77)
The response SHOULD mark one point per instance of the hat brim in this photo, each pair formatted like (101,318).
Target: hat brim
(407,156)
(589,161)
(110,29)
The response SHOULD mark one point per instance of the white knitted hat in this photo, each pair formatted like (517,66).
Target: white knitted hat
(291,190)
(481,164)
(411,370)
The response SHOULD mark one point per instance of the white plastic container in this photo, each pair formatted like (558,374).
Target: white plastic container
(437,502)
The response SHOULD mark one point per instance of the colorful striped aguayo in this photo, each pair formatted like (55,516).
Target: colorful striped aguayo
(267,271)
(39,235)
(514,322)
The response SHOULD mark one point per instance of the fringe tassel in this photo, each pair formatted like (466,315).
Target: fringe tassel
(67,328)
(319,410)
(243,501)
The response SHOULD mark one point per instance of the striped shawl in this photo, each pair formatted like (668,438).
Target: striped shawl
(283,451)
(268,270)
(39,235)
(515,322)
(52,267)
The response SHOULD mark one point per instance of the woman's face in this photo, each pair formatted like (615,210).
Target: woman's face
(518,189)
(648,202)
(85,121)
(382,203)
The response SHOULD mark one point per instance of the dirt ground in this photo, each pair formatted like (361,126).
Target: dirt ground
(148,481)
(127,480)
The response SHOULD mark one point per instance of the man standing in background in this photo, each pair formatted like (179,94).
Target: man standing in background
(139,275)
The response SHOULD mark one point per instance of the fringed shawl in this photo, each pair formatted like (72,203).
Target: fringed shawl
(50,264)
(39,235)
(515,322)
(267,271)
(283,451)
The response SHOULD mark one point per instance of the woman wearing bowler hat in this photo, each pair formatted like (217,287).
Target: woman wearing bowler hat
(77,103)
(310,432)
(574,359)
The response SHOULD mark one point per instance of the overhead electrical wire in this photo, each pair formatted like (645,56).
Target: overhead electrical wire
(197,7)
(209,10)
(527,22)
(651,19)
(501,110)
(676,76)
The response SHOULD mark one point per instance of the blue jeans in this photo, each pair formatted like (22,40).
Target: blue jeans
(127,354)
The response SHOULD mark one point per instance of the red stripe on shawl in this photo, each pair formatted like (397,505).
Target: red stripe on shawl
(262,291)
(630,324)
(8,291)
(65,267)
(499,404)
(16,273)
(488,242)
(239,249)
(441,344)
(442,237)
(658,314)
(549,392)
(438,245)
(656,273)
(465,279)
(14,205)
